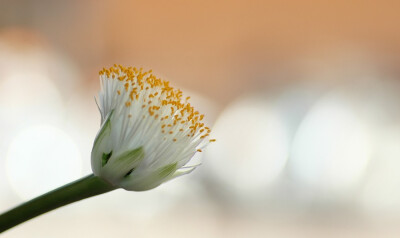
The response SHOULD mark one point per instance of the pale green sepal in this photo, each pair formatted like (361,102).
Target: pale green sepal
(167,170)
(146,180)
(181,172)
(100,145)
(123,164)
(104,131)
(132,155)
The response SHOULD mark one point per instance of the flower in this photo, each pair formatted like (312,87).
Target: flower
(148,131)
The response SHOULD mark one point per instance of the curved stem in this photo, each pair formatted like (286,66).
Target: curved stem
(85,187)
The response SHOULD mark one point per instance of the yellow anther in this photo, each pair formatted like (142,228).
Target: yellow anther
(159,95)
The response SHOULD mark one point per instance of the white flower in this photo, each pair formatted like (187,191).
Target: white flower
(148,132)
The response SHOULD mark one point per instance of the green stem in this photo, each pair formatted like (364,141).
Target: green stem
(85,187)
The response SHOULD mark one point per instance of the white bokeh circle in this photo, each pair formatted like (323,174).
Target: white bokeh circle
(41,158)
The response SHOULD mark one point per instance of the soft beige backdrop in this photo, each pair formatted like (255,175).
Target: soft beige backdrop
(303,96)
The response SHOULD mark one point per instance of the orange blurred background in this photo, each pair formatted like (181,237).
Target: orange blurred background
(303,96)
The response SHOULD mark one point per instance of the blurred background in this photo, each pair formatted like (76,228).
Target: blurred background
(303,98)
